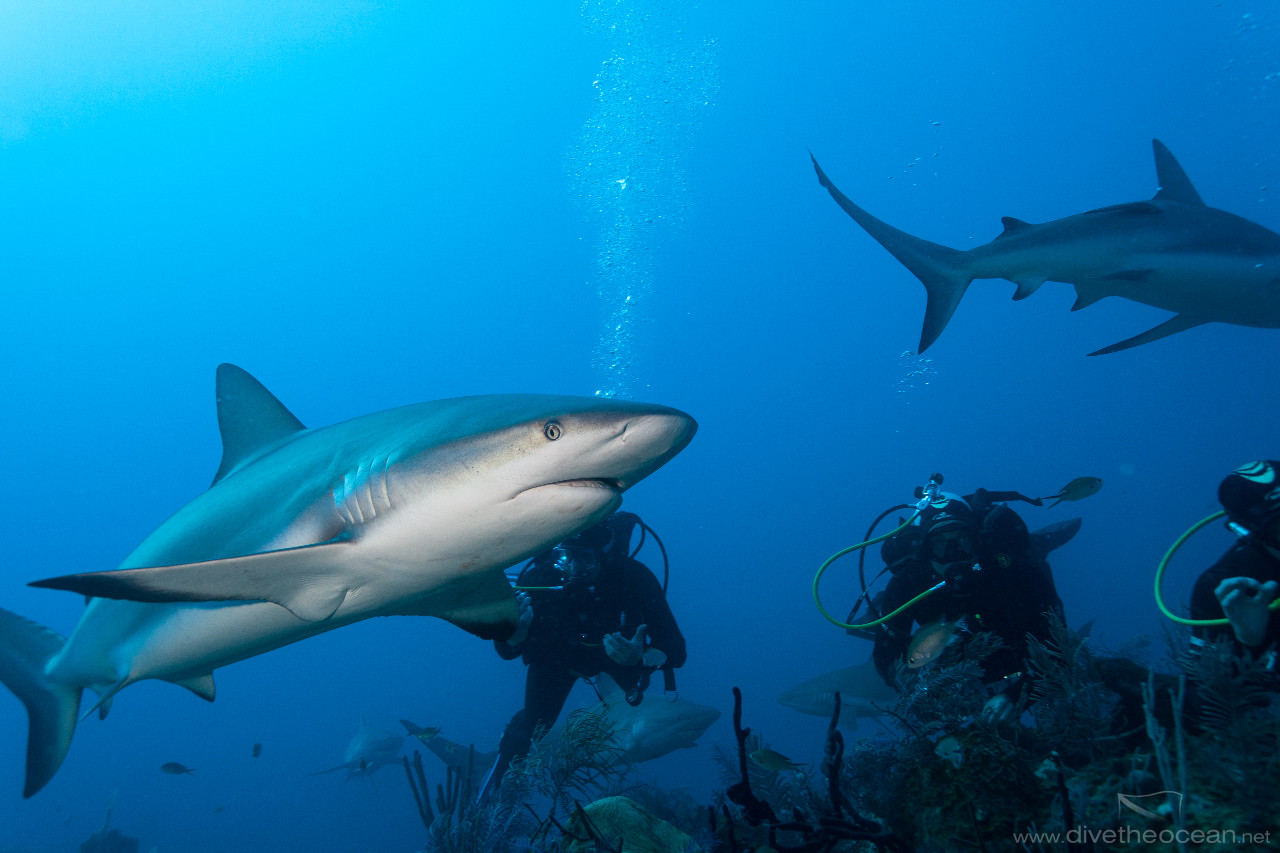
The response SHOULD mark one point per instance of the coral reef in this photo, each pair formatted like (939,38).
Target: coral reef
(618,823)
(1106,755)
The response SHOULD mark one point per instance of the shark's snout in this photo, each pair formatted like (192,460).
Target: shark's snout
(647,441)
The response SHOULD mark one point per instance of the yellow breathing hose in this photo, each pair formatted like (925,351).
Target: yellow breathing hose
(838,554)
(1275,605)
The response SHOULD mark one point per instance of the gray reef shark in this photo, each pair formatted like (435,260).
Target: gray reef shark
(863,693)
(412,511)
(369,751)
(1172,252)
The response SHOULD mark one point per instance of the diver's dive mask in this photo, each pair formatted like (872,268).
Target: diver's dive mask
(949,544)
(576,564)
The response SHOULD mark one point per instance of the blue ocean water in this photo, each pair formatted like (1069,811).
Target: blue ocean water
(368,204)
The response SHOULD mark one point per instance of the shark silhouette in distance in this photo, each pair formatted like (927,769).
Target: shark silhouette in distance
(1171,252)
(863,693)
(368,752)
(411,511)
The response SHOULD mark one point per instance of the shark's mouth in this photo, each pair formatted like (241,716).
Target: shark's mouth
(592,483)
(607,484)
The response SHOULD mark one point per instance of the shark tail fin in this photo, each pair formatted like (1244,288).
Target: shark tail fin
(940,269)
(25,651)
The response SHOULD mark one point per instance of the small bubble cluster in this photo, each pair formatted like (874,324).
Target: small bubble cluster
(918,372)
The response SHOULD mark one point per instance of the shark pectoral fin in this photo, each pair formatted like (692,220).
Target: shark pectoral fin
(1172,326)
(1026,287)
(484,606)
(310,581)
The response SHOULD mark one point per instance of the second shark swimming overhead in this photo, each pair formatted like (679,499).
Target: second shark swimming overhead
(1172,252)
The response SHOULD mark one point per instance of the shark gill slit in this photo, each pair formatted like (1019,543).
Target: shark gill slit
(364,491)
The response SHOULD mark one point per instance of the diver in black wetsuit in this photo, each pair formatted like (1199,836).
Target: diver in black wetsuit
(997,580)
(586,607)
(1246,579)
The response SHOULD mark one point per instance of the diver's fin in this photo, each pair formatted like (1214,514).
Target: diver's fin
(938,267)
(25,651)
(249,417)
(1175,324)
(311,581)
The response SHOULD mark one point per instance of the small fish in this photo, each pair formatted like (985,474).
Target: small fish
(775,761)
(173,768)
(1078,489)
(949,749)
(927,643)
(257,750)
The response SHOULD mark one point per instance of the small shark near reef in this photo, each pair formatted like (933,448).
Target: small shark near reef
(657,726)
(1172,252)
(370,750)
(412,511)
(863,693)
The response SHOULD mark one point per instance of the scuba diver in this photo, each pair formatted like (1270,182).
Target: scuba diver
(1245,581)
(586,607)
(969,565)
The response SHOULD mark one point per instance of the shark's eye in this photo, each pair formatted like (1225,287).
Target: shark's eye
(552,430)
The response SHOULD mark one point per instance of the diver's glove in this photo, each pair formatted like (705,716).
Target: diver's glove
(626,652)
(1246,602)
(523,620)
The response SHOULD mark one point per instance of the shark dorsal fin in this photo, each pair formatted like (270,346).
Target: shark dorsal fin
(249,418)
(1174,183)
(1012,226)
